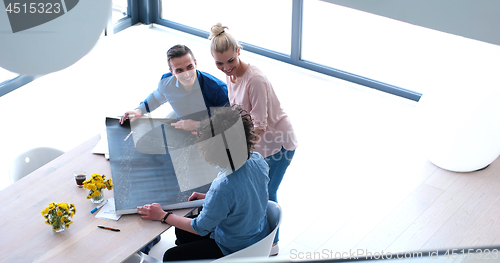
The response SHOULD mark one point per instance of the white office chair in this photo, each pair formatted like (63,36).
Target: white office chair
(31,160)
(140,257)
(262,248)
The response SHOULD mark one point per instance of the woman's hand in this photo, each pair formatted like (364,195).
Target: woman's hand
(155,212)
(152,212)
(196,196)
(131,112)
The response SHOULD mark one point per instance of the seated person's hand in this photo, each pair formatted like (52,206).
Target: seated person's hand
(152,211)
(187,125)
(131,112)
(196,196)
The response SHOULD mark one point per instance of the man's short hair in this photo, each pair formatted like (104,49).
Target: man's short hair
(178,51)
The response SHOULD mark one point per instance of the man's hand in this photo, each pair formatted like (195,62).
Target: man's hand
(187,125)
(131,112)
(196,196)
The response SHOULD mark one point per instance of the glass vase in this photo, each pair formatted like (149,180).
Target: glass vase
(99,198)
(58,228)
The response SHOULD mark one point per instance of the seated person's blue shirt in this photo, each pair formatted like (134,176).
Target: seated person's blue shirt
(208,91)
(234,211)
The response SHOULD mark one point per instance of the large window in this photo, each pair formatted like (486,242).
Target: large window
(262,23)
(274,29)
(367,49)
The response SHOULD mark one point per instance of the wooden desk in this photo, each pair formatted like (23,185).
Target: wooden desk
(26,238)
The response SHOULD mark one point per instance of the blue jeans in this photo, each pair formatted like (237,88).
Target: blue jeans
(148,247)
(278,163)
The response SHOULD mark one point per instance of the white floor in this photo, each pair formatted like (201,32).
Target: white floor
(356,144)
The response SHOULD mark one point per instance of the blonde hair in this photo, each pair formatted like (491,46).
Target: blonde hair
(222,40)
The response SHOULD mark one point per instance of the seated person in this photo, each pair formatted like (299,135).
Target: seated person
(234,210)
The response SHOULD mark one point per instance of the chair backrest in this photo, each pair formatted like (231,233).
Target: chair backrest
(263,247)
(31,160)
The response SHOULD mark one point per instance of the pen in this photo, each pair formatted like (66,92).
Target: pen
(98,207)
(131,132)
(109,228)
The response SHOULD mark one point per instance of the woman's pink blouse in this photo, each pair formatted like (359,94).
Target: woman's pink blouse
(255,94)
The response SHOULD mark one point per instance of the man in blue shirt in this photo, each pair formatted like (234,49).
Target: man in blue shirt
(190,92)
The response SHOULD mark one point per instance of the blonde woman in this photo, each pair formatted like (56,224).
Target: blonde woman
(249,87)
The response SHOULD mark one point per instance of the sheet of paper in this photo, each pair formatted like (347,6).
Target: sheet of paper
(108,211)
(102,146)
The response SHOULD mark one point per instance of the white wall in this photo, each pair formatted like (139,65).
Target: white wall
(476,19)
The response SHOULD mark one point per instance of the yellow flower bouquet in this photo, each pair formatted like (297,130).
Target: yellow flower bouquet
(58,215)
(95,184)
